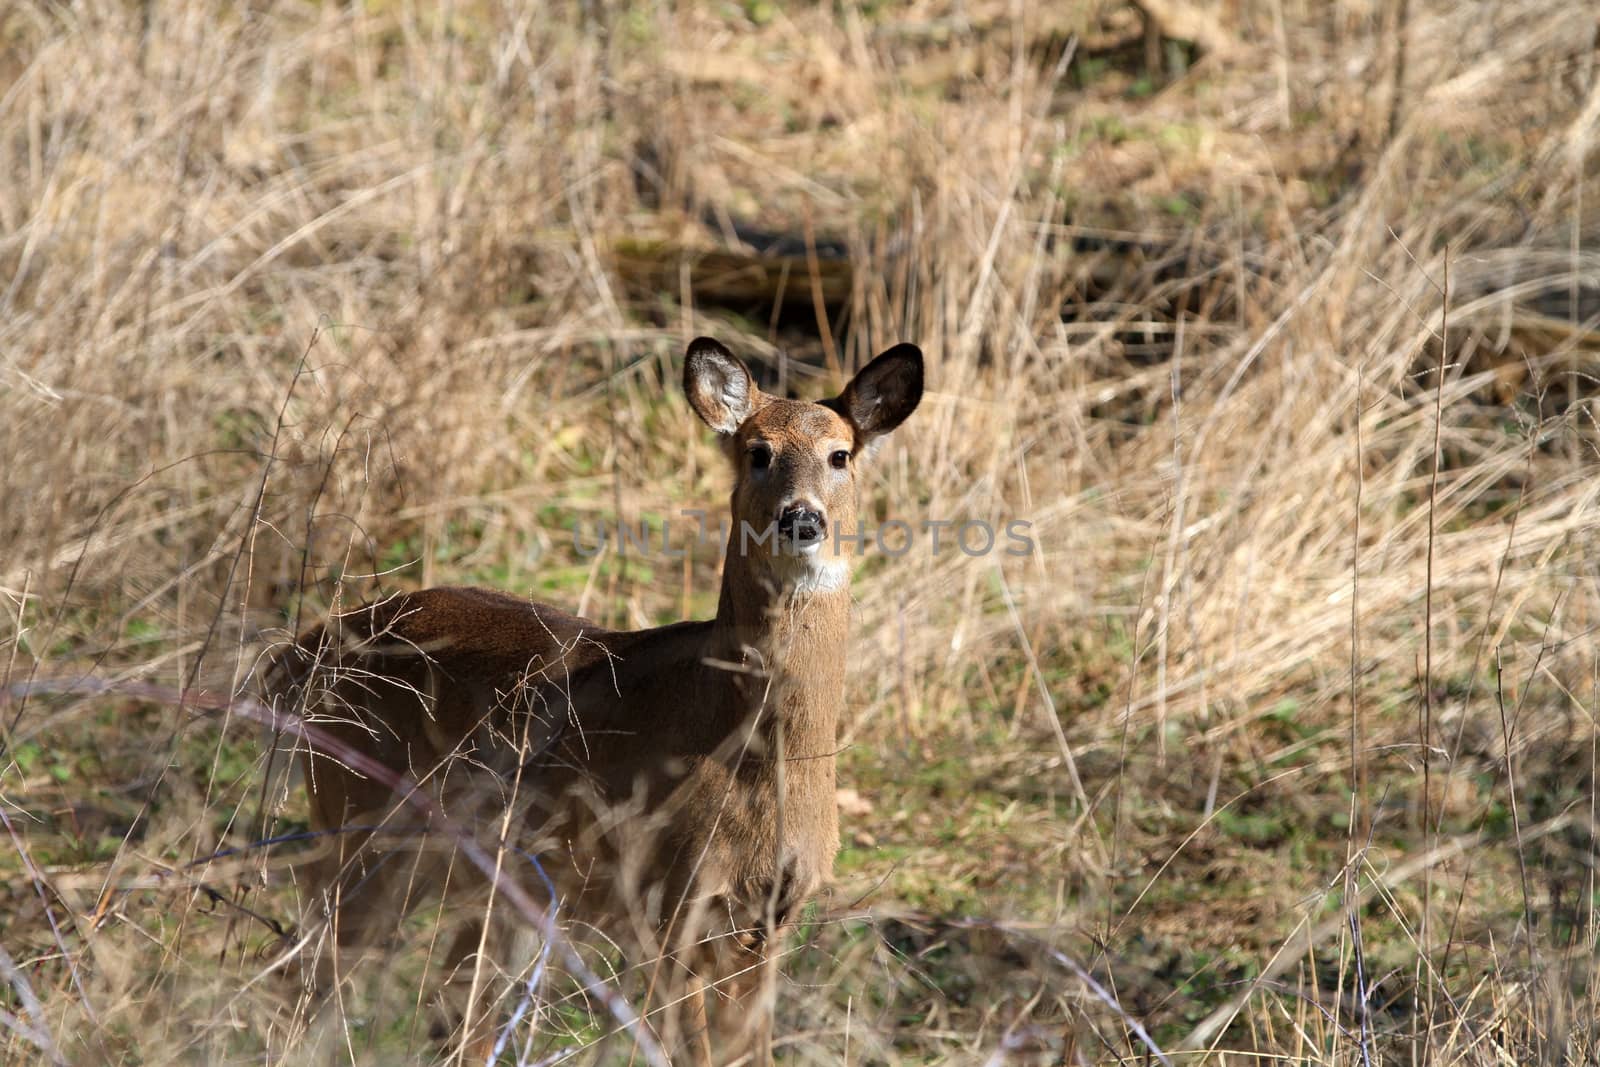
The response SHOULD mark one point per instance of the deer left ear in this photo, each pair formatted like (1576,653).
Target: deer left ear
(884,393)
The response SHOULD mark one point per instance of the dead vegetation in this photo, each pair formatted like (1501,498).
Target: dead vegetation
(1284,341)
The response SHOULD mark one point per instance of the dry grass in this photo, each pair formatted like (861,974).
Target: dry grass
(301,303)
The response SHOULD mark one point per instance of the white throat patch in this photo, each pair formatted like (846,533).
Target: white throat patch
(811,571)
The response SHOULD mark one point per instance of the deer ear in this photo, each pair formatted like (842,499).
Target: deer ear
(718,385)
(884,393)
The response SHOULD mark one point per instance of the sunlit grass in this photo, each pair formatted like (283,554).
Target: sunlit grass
(302,304)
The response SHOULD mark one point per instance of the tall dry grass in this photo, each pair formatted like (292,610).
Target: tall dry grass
(1285,738)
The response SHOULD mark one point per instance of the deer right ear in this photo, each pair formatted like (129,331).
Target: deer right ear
(719,386)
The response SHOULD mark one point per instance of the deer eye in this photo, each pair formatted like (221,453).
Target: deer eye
(840,459)
(760,457)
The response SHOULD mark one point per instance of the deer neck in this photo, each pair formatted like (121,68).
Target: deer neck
(782,659)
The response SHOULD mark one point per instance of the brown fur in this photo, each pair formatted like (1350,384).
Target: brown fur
(676,783)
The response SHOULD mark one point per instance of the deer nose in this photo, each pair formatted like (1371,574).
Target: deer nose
(802,524)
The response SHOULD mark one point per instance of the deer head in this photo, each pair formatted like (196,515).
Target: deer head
(795,462)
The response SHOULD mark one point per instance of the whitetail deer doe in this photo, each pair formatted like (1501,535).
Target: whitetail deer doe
(676,784)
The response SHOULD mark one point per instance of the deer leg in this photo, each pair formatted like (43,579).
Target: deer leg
(696,1023)
(353,892)
(453,993)
(745,999)
(367,891)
